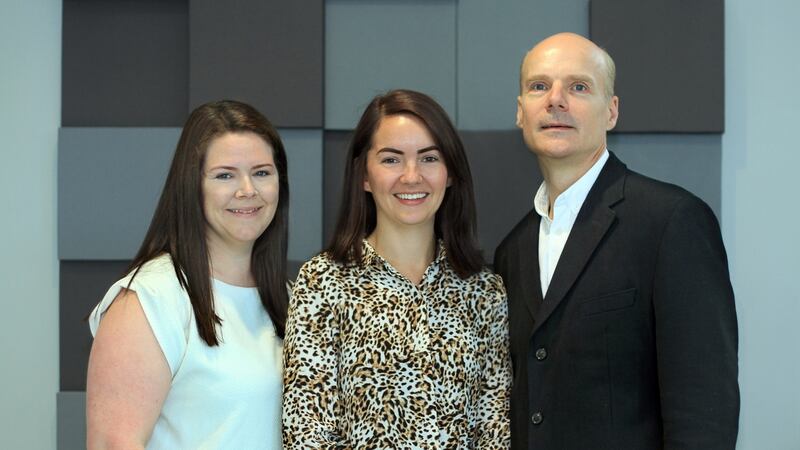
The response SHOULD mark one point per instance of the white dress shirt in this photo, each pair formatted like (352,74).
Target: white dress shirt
(553,233)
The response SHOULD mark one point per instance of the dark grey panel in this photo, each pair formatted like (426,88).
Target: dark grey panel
(670,62)
(71,434)
(692,161)
(492,40)
(267,53)
(506,176)
(82,284)
(335,151)
(109,181)
(124,63)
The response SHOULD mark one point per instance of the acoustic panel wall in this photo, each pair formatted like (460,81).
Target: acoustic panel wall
(373,46)
(268,54)
(492,40)
(670,62)
(124,63)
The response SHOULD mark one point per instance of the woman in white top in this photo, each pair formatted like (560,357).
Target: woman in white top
(187,348)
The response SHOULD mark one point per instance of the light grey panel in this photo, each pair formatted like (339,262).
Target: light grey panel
(373,46)
(691,161)
(266,53)
(506,176)
(71,433)
(304,153)
(492,40)
(109,181)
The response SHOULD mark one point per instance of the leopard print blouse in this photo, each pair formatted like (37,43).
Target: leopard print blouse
(373,361)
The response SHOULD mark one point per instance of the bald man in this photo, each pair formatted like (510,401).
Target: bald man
(623,325)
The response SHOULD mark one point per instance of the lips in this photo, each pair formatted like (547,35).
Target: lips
(556,126)
(412,196)
(244,211)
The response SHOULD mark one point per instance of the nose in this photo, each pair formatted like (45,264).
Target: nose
(246,188)
(556,97)
(411,173)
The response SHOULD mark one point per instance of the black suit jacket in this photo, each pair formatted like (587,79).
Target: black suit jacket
(635,344)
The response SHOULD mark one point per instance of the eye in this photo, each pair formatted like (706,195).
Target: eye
(389,160)
(581,87)
(223,176)
(430,158)
(262,173)
(538,86)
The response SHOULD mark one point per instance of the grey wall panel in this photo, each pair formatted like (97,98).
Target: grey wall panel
(304,153)
(71,433)
(506,176)
(692,161)
(492,41)
(670,62)
(109,181)
(336,143)
(379,45)
(81,284)
(267,53)
(124,63)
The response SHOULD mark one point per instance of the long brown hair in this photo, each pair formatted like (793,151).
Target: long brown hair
(179,226)
(455,220)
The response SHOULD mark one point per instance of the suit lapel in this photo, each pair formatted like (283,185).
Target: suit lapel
(593,222)
(528,261)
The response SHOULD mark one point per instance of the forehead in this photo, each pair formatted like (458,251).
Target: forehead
(238,145)
(401,127)
(563,61)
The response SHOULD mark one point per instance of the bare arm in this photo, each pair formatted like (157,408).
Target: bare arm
(128,378)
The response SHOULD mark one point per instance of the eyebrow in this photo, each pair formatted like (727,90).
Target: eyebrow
(257,166)
(574,77)
(400,152)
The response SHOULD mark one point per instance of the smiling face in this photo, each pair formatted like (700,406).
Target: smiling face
(240,190)
(564,109)
(406,173)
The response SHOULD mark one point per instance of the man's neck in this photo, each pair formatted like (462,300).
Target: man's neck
(561,173)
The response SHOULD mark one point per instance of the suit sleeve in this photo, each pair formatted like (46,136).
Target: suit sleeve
(310,393)
(696,332)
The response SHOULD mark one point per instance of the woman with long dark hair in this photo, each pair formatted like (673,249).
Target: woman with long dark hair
(187,348)
(397,335)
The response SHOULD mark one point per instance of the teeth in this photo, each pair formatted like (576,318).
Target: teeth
(416,196)
(244,211)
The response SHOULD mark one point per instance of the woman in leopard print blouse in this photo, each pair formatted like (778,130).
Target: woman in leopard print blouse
(397,335)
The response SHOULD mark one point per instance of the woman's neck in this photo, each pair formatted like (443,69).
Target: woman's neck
(409,250)
(231,266)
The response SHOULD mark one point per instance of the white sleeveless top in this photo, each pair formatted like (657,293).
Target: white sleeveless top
(224,397)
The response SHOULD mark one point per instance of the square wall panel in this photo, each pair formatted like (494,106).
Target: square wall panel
(374,46)
(304,154)
(670,62)
(505,175)
(336,143)
(266,53)
(109,181)
(82,284)
(492,40)
(124,63)
(71,432)
(692,161)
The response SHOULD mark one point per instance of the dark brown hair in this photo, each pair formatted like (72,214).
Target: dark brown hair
(455,221)
(179,226)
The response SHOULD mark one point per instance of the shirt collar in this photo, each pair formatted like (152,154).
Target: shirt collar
(370,258)
(574,196)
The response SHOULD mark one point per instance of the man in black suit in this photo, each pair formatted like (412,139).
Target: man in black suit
(622,318)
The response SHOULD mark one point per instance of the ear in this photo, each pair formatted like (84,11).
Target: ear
(613,112)
(449,181)
(367,188)
(519,111)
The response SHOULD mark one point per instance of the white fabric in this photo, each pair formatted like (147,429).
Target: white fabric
(553,233)
(225,397)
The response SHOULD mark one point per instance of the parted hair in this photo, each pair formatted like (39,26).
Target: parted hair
(179,226)
(455,221)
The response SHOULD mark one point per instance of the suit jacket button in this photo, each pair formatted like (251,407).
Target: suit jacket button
(537,418)
(541,354)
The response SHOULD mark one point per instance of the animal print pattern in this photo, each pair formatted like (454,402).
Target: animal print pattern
(373,361)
